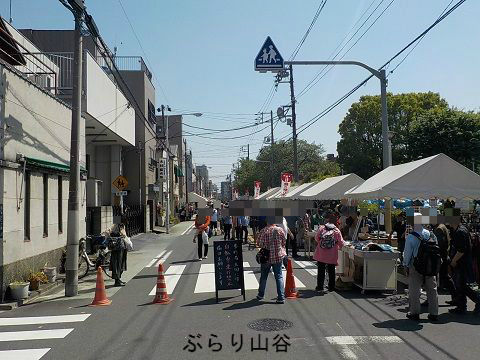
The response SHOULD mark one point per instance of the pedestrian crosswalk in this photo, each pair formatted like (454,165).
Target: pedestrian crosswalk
(14,337)
(205,276)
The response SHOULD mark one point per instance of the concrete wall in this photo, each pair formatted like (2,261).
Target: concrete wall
(38,126)
(106,103)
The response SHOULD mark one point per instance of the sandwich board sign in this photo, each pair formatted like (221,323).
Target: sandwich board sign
(269,58)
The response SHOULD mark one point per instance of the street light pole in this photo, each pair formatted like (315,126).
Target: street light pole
(271,149)
(73,230)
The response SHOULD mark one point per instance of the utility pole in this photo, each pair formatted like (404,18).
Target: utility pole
(294,127)
(167,170)
(73,231)
(271,149)
(186,174)
(248,151)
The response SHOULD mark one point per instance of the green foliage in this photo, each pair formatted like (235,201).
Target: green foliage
(360,146)
(311,164)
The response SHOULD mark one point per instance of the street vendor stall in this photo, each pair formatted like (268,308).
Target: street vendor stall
(268,193)
(332,188)
(435,177)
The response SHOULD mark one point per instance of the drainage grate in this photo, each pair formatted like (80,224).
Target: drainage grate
(270,325)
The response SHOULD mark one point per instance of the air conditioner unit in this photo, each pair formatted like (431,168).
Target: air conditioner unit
(94,192)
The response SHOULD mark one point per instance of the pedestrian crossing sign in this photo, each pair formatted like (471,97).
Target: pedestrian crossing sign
(269,58)
(120,183)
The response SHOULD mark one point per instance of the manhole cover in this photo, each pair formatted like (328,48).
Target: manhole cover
(270,325)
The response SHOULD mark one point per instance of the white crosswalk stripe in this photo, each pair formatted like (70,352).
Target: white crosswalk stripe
(28,354)
(308,266)
(24,336)
(172,275)
(163,256)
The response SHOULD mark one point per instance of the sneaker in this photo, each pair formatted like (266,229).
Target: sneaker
(318,288)
(205,257)
(259,297)
(432,317)
(200,259)
(280,301)
(458,311)
(414,317)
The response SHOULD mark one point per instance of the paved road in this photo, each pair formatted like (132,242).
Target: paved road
(343,325)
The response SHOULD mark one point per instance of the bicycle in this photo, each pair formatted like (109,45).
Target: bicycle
(101,256)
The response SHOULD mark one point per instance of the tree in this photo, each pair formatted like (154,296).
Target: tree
(311,165)
(360,147)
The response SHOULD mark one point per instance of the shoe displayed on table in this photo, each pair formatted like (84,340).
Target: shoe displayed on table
(458,311)
(415,317)
(432,317)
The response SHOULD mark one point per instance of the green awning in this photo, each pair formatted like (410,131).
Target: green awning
(48,165)
(178,171)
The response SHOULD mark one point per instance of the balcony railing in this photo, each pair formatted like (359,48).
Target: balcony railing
(35,67)
(128,63)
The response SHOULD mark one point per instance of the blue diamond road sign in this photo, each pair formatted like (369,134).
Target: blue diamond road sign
(269,58)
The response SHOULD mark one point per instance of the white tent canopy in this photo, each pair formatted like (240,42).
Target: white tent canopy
(195,198)
(332,188)
(268,193)
(434,177)
(293,192)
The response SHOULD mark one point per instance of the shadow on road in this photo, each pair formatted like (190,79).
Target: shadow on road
(400,325)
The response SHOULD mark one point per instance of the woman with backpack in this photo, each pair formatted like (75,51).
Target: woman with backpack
(329,240)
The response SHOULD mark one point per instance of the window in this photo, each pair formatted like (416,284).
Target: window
(60,205)
(151,113)
(45,205)
(26,212)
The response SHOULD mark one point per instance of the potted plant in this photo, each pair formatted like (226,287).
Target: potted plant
(36,278)
(19,290)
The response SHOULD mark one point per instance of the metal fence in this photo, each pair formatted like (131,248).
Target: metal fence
(127,63)
(132,217)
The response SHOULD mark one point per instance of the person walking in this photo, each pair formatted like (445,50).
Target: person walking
(445,280)
(461,266)
(202,226)
(329,239)
(214,220)
(118,257)
(273,239)
(244,228)
(416,279)
(227,227)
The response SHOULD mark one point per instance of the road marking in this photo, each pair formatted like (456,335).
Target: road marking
(34,335)
(206,279)
(172,275)
(251,282)
(355,340)
(43,320)
(156,258)
(187,230)
(163,258)
(298,283)
(28,354)
(308,266)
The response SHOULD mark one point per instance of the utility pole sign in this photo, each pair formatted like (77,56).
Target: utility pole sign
(269,58)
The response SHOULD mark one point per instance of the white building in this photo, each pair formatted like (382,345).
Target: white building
(34,161)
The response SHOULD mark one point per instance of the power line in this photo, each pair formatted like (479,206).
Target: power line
(317,77)
(144,53)
(312,24)
(348,94)
(221,130)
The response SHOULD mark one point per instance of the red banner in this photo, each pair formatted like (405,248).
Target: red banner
(286,181)
(257,185)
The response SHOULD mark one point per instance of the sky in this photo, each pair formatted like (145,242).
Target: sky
(202,52)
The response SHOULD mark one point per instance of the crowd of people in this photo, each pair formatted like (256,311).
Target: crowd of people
(450,244)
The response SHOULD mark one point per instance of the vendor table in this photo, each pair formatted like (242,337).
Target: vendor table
(370,270)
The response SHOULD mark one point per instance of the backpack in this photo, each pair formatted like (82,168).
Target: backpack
(428,259)
(327,240)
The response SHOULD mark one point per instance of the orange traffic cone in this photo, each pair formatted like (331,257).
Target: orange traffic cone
(100,293)
(161,297)
(290,288)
